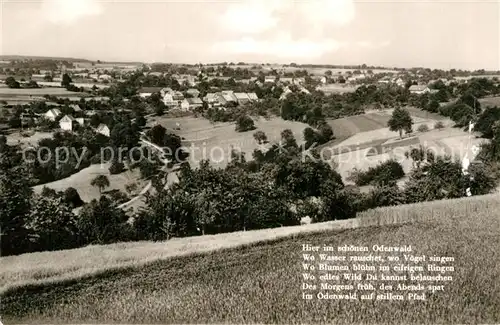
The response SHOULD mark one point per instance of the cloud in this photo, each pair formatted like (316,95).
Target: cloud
(327,12)
(251,16)
(69,11)
(373,45)
(256,16)
(284,28)
(282,46)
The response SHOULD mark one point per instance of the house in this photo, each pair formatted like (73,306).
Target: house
(253,96)
(156,74)
(189,104)
(221,100)
(193,92)
(173,98)
(52,114)
(211,99)
(242,98)
(148,91)
(107,77)
(229,96)
(103,129)
(67,123)
(400,82)
(185,79)
(299,81)
(419,89)
(38,77)
(270,79)
(75,107)
(285,93)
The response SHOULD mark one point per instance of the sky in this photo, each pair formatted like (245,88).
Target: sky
(418,33)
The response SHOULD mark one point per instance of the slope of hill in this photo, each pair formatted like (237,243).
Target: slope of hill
(261,283)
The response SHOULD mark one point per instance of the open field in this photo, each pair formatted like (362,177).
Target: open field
(214,141)
(313,71)
(490,101)
(11,92)
(16,138)
(364,141)
(261,283)
(337,88)
(81,181)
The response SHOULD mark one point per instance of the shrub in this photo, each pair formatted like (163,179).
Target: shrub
(72,198)
(244,123)
(117,196)
(423,128)
(382,174)
(116,168)
(439,125)
(131,188)
(386,195)
(260,137)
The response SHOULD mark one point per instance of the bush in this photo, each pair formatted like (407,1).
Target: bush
(439,125)
(116,168)
(244,123)
(423,128)
(386,195)
(382,174)
(117,196)
(72,198)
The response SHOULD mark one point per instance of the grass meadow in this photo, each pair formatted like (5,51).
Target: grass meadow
(81,181)
(213,141)
(490,101)
(260,282)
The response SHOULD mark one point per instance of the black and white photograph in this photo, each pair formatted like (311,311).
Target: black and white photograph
(249,162)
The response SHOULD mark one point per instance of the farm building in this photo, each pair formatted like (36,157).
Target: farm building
(419,89)
(211,99)
(148,91)
(270,79)
(253,96)
(52,114)
(173,98)
(193,92)
(103,77)
(189,104)
(242,98)
(228,96)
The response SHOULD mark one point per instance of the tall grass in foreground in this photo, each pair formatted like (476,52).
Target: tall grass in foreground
(261,283)
(55,266)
